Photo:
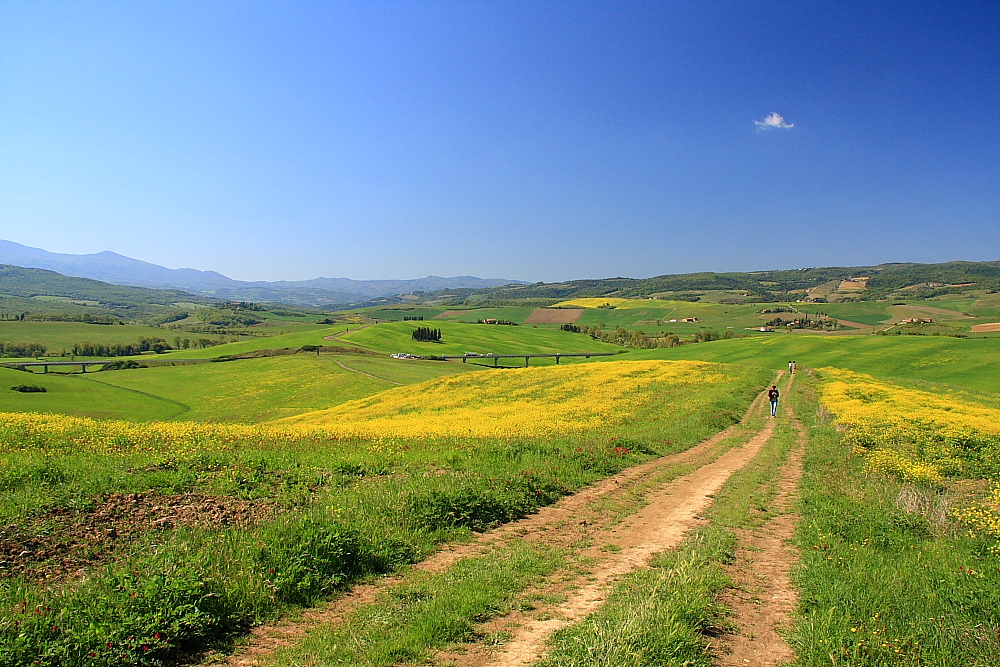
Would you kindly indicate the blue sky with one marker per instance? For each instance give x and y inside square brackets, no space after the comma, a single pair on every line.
[534,140]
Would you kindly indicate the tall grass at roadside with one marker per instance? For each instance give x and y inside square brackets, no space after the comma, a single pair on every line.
[883,582]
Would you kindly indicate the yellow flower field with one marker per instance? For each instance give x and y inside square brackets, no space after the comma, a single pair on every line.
[597,302]
[28,430]
[520,402]
[929,434]
[552,401]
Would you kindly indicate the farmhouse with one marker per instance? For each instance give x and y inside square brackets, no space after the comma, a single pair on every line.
[690,319]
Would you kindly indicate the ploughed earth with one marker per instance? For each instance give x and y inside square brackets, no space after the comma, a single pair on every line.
[63,541]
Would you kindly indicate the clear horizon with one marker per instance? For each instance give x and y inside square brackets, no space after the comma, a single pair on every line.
[531,142]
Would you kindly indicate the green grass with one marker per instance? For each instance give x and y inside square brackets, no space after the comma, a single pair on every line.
[427,612]
[965,363]
[310,336]
[483,338]
[76,395]
[879,585]
[244,390]
[247,390]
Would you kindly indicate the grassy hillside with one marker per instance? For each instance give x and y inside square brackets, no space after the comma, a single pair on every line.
[886,280]
[483,338]
[308,336]
[42,291]
[249,390]
[77,395]
[968,363]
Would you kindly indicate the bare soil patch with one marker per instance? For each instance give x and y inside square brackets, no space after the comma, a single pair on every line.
[450,313]
[555,316]
[986,328]
[66,541]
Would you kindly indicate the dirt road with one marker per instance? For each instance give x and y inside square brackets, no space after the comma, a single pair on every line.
[641,511]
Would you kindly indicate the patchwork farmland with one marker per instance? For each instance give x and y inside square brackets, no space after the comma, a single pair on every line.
[290,493]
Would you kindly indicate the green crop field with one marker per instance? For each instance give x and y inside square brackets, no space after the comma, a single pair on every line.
[295,515]
[460,338]
[246,390]
[968,363]
[75,395]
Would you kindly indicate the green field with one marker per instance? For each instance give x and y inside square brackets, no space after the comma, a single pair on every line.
[968,363]
[480,338]
[59,336]
[76,395]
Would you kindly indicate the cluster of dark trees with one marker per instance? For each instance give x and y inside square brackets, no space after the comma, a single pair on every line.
[11,350]
[167,318]
[225,317]
[123,365]
[86,318]
[88,349]
[570,327]
[243,305]
[187,343]
[824,323]
[413,318]
[506,323]
[427,334]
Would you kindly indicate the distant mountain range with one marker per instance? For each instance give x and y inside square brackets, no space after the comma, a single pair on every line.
[110,267]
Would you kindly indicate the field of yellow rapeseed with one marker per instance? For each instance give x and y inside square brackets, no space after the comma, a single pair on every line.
[23,431]
[523,402]
[552,401]
[917,435]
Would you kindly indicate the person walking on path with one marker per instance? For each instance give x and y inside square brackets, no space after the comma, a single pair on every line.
[772,396]
[791,366]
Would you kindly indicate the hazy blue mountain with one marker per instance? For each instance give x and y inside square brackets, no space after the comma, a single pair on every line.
[113,268]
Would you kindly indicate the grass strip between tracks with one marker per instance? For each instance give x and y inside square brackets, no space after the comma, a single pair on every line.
[428,611]
[662,614]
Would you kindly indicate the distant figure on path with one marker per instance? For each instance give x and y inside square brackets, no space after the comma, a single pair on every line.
[791,366]
[772,396]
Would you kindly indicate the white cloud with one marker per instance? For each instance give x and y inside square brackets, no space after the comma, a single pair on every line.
[775,121]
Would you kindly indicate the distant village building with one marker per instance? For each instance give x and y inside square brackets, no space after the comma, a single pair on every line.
[690,319]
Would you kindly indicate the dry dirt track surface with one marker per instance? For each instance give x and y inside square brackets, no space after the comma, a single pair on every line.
[671,509]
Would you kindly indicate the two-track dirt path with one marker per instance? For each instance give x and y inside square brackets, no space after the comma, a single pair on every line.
[763,598]
[670,513]
[592,516]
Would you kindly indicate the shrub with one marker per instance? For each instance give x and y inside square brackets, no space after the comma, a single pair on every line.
[122,364]
[29,388]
